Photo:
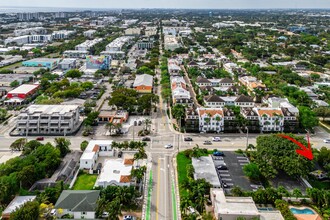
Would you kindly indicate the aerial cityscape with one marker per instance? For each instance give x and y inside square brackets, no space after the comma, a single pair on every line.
[165,110]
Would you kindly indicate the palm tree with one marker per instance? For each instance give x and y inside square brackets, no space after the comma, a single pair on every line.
[147,123]
[118,127]
[109,126]
[185,202]
[218,119]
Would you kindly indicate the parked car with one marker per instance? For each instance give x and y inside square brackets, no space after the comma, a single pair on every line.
[217,158]
[40,138]
[327,141]
[216,139]
[146,139]
[218,153]
[105,215]
[167,146]
[120,154]
[188,139]
[224,185]
[191,210]
[207,142]
[222,167]
[128,217]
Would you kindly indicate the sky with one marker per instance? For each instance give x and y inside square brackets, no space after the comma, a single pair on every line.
[221,4]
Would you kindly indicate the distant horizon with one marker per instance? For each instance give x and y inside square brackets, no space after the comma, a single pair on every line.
[181,8]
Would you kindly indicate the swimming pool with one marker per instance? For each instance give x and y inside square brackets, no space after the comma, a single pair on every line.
[305,211]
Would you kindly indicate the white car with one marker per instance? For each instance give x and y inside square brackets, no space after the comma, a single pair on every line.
[216,139]
[326,140]
[167,146]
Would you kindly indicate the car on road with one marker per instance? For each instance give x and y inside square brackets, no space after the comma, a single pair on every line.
[216,139]
[207,142]
[40,138]
[120,154]
[218,153]
[146,139]
[222,167]
[188,139]
[327,141]
[167,146]
[105,215]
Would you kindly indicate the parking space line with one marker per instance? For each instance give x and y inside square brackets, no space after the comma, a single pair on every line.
[239,157]
[223,171]
[230,184]
[226,179]
[224,174]
[243,161]
[243,164]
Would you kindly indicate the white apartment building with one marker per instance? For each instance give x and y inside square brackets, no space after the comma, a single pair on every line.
[62,34]
[28,39]
[48,119]
[118,43]
[211,119]
[89,33]
[171,42]
[179,89]
[30,31]
[75,54]
[270,119]
[215,101]
[88,44]
[94,149]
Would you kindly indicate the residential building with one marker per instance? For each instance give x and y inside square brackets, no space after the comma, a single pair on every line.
[94,149]
[20,94]
[133,31]
[62,34]
[28,39]
[171,42]
[244,101]
[252,117]
[81,204]
[67,64]
[30,31]
[118,43]
[203,82]
[230,122]
[143,83]
[75,53]
[145,44]
[115,172]
[252,83]
[270,119]
[150,31]
[88,45]
[231,208]
[89,33]
[211,119]
[180,93]
[15,204]
[220,101]
[48,119]
[28,16]
[191,120]
[49,63]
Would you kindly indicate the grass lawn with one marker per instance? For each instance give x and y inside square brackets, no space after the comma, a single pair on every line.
[85,182]
[182,162]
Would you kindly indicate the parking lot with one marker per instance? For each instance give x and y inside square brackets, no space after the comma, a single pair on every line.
[233,175]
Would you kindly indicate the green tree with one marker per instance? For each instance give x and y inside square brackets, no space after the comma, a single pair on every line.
[18,145]
[28,211]
[252,171]
[274,154]
[296,193]
[307,117]
[14,84]
[31,146]
[63,145]
[83,145]
[323,112]
[74,73]
[3,114]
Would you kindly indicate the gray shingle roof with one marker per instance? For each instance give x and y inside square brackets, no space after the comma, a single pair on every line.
[244,98]
[226,80]
[202,80]
[213,98]
[78,200]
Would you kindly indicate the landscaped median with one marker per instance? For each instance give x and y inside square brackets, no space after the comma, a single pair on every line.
[85,181]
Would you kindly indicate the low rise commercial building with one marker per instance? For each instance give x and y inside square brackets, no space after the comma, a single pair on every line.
[118,43]
[75,53]
[89,33]
[49,63]
[67,64]
[49,119]
[28,39]
[7,79]
[20,94]
[62,34]
[30,31]
[133,31]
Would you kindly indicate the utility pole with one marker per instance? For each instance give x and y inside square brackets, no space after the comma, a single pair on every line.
[247,136]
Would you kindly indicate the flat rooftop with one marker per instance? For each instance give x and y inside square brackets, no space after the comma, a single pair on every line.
[50,109]
[24,89]
[205,169]
[115,171]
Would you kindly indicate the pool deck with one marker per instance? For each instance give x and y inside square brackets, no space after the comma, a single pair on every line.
[306,216]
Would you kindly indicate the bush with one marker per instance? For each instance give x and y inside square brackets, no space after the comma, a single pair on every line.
[283,207]
[252,171]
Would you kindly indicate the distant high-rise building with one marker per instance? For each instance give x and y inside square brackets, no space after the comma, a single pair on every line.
[28,16]
[210,14]
[60,15]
